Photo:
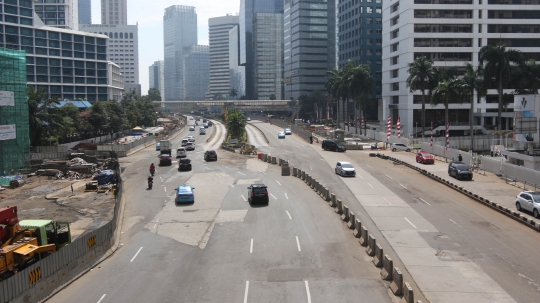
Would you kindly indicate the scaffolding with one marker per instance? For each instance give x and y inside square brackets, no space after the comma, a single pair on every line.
[14,153]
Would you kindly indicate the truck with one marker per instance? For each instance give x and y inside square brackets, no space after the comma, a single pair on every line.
[26,242]
[165,147]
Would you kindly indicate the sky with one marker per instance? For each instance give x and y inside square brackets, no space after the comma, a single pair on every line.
[149,15]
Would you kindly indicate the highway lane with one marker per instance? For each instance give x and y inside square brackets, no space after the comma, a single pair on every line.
[292,250]
[255,137]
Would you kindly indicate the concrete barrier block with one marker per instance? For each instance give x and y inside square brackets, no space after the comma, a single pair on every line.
[339,207]
[408,294]
[397,283]
[274,161]
[345,215]
[357,228]
[303,175]
[387,269]
[269,158]
[294,171]
[352,220]
[280,161]
[363,236]
[307,179]
[372,243]
[285,170]
[315,184]
[378,257]
[263,158]
[332,201]
[326,194]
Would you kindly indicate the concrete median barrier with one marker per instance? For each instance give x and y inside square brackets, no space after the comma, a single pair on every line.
[264,157]
[378,257]
[397,282]
[345,215]
[274,160]
[339,207]
[285,169]
[294,171]
[280,161]
[408,294]
[357,228]
[387,269]
[327,194]
[363,236]
[332,201]
[372,243]
[303,175]
[352,220]
[269,158]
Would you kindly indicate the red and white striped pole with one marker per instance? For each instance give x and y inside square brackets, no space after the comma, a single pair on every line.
[363,125]
[389,132]
[399,127]
[447,136]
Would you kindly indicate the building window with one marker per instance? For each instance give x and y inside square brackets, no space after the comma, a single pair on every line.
[394,86]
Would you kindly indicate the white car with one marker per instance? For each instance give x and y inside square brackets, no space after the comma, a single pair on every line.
[184,141]
[529,201]
[400,147]
[248,118]
[190,146]
[202,131]
[190,138]
[181,152]
[288,131]
[281,135]
[345,169]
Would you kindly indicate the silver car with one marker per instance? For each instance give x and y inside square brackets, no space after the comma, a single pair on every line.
[345,169]
[529,201]
[287,131]
[400,147]
[281,135]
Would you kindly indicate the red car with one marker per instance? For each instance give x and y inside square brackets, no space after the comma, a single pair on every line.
[425,158]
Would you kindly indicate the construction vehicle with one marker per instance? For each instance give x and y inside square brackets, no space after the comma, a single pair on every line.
[26,242]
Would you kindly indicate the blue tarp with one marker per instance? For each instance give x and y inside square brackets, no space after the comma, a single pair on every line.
[105,177]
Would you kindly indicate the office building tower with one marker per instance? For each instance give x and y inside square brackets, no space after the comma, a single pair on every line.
[237,73]
[179,33]
[268,59]
[196,72]
[57,13]
[360,39]
[309,51]
[451,34]
[248,9]
[116,81]
[114,12]
[157,77]
[218,35]
[68,64]
[85,11]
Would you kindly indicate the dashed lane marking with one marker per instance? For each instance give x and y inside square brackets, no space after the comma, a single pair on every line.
[273,196]
[410,222]
[288,214]
[298,243]
[135,256]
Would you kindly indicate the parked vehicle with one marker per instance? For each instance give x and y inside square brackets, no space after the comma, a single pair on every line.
[425,158]
[184,164]
[281,135]
[185,194]
[529,201]
[345,169]
[333,145]
[258,193]
[400,147]
[459,171]
[181,152]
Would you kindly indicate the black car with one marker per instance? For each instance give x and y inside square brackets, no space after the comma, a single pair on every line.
[333,145]
[459,171]
[258,193]
[165,159]
[210,155]
[184,164]
[210,123]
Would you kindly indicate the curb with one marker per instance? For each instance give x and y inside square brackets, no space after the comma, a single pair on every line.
[265,138]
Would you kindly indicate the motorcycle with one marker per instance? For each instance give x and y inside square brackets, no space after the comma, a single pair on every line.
[152,172]
[150,183]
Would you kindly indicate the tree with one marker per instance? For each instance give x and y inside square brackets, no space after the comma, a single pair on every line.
[473,81]
[422,77]
[153,95]
[272,97]
[338,87]
[234,93]
[450,88]
[528,77]
[117,117]
[236,124]
[42,113]
[498,61]
[98,118]
[361,83]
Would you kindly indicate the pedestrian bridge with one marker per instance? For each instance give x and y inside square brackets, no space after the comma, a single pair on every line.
[244,105]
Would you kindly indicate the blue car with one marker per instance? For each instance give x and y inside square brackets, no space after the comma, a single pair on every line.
[185,194]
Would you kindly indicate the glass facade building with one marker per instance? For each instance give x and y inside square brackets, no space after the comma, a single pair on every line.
[67,64]
[197,73]
[57,13]
[179,32]
[157,77]
[85,11]
[268,59]
[237,73]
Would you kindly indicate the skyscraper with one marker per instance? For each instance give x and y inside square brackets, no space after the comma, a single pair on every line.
[61,14]
[268,59]
[247,10]
[196,72]
[114,12]
[179,32]
[237,73]
[85,11]
[218,35]
[157,78]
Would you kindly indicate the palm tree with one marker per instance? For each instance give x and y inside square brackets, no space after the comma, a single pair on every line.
[41,112]
[234,93]
[497,68]
[473,81]
[450,88]
[422,77]
[333,87]
[528,77]
[361,83]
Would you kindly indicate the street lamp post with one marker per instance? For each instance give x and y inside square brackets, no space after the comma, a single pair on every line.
[416,130]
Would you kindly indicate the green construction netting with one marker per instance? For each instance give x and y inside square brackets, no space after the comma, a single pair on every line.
[14,153]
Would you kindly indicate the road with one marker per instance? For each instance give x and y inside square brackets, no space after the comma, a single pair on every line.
[221,248]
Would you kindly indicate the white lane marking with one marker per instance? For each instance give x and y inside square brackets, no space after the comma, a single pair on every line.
[387,200]
[288,214]
[278,182]
[157,221]
[425,201]
[161,179]
[368,166]
[165,188]
[403,186]
[454,222]
[101,299]
[371,185]
[243,198]
[135,256]
[241,173]
[251,247]
[246,293]
[410,222]
[389,177]
[273,196]
[311,168]
[360,176]
[298,243]
[308,294]
[322,159]
[286,196]
[231,185]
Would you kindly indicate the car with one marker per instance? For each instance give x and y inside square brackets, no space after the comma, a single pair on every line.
[258,193]
[459,171]
[184,164]
[190,146]
[400,146]
[191,118]
[425,157]
[345,169]
[202,131]
[181,152]
[210,155]
[210,123]
[529,201]
[333,145]
[158,146]
[192,128]
[205,125]
[281,135]
[185,194]
[248,119]
[184,141]
[204,120]
[288,131]
[190,138]
[165,159]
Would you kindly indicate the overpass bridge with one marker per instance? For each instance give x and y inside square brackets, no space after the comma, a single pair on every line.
[242,105]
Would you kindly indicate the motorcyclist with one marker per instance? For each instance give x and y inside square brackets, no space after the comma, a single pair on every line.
[152,169]
[150,181]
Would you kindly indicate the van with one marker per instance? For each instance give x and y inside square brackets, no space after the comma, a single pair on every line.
[181,152]
[333,145]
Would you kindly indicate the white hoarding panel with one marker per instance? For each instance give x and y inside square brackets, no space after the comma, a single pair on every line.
[525,119]
[8,132]
[7,98]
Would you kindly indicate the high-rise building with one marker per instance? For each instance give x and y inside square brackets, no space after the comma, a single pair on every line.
[218,35]
[360,38]
[248,9]
[451,33]
[309,51]
[116,81]
[58,13]
[85,11]
[157,77]
[68,64]
[268,59]
[179,32]
[196,72]
[237,73]
[114,12]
